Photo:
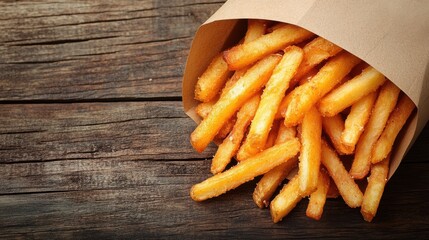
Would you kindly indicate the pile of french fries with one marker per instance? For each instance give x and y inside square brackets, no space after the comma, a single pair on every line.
[285,101]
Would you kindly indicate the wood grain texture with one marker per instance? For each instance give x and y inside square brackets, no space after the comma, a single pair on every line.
[70,50]
[94,143]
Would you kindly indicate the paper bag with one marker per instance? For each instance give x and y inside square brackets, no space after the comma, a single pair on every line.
[391,36]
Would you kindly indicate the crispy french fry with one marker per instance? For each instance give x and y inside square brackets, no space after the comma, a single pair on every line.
[255,29]
[309,158]
[245,171]
[286,200]
[375,188]
[270,100]
[231,143]
[254,79]
[315,52]
[272,179]
[396,121]
[212,80]
[351,91]
[357,119]
[318,197]
[333,127]
[203,110]
[348,189]
[308,94]
[245,54]
[384,105]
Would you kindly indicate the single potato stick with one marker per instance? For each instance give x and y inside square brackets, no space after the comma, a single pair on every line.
[309,158]
[272,135]
[318,197]
[229,147]
[245,171]
[272,179]
[255,29]
[384,105]
[212,80]
[254,79]
[356,120]
[375,188]
[315,52]
[286,200]
[245,54]
[334,127]
[308,94]
[396,121]
[351,91]
[203,109]
[348,189]
[270,100]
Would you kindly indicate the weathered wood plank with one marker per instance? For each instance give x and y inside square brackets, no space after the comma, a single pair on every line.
[125,131]
[52,50]
[158,206]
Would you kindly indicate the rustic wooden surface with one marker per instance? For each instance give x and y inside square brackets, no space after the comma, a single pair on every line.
[94,142]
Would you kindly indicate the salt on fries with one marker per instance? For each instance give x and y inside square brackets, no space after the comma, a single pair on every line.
[341,106]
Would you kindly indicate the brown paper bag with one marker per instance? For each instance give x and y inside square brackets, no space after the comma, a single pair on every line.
[390,35]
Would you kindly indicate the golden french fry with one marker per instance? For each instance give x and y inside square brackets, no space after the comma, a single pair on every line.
[315,52]
[333,127]
[384,105]
[245,171]
[255,29]
[318,197]
[308,94]
[396,121]
[270,100]
[212,80]
[351,91]
[254,79]
[374,190]
[203,110]
[309,158]
[231,143]
[272,179]
[356,120]
[286,200]
[245,54]
[348,189]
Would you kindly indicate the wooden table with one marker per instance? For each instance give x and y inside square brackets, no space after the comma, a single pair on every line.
[94,142]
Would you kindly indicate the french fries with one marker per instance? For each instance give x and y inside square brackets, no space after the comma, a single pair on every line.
[307,95]
[373,192]
[348,189]
[309,158]
[318,197]
[246,54]
[245,171]
[227,105]
[351,91]
[270,100]
[384,105]
[269,127]
[397,119]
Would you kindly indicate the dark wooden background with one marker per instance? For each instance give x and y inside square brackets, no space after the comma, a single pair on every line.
[94,142]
